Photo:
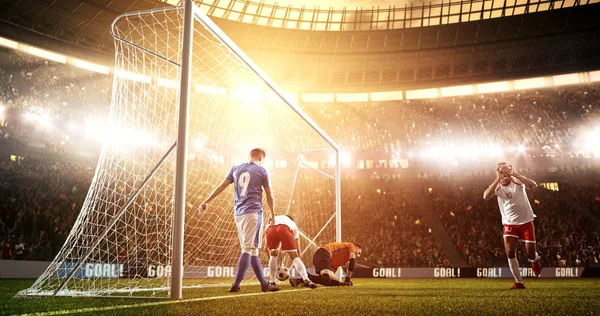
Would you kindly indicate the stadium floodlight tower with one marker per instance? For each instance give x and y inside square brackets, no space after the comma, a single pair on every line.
[181,83]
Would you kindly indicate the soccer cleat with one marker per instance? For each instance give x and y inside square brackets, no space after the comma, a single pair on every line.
[536,267]
[310,284]
[295,282]
[234,289]
[518,286]
[269,288]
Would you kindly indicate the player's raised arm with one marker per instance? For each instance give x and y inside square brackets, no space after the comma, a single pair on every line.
[530,184]
[215,193]
[491,190]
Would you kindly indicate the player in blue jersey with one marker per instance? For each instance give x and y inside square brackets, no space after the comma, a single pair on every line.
[249,179]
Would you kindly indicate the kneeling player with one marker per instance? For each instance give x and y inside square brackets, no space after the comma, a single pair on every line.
[285,232]
[329,258]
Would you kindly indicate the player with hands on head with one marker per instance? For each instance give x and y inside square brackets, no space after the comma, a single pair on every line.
[249,179]
[517,217]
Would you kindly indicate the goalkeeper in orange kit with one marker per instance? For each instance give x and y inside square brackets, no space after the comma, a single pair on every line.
[328,259]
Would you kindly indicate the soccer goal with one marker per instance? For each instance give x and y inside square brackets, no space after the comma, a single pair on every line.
[187,105]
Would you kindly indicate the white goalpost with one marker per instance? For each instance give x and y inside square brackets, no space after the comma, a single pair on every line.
[187,105]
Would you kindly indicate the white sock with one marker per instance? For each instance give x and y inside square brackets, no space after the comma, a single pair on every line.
[300,268]
[273,268]
[537,257]
[514,268]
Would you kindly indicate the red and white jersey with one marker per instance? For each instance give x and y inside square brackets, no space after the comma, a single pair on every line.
[514,205]
[284,220]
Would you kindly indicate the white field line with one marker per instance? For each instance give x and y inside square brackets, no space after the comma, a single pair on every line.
[167,302]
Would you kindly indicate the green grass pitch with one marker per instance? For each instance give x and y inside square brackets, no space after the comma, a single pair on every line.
[366,297]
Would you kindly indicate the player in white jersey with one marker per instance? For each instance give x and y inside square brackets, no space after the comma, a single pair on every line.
[517,217]
[284,232]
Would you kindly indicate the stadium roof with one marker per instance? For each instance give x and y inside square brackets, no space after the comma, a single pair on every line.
[368,15]
[353,50]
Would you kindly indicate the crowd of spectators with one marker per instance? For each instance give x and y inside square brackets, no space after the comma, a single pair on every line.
[564,236]
[391,229]
[472,224]
[586,194]
[27,82]
[40,200]
[583,100]
[41,197]
[62,95]
[31,86]
[529,118]
[358,127]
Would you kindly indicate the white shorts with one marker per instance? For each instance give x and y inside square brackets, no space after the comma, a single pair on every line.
[249,227]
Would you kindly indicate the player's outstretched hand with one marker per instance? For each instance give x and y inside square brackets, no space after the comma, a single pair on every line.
[203,207]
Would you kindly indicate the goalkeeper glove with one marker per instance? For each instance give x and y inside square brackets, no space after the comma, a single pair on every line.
[347,282]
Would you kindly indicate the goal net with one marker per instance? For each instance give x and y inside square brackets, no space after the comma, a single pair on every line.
[121,243]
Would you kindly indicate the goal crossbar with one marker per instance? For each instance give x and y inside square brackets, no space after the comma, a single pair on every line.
[116,36]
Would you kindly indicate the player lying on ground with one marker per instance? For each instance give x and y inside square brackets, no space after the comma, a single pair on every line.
[517,217]
[284,232]
[328,259]
[249,179]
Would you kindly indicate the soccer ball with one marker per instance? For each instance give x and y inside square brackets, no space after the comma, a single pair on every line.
[282,274]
